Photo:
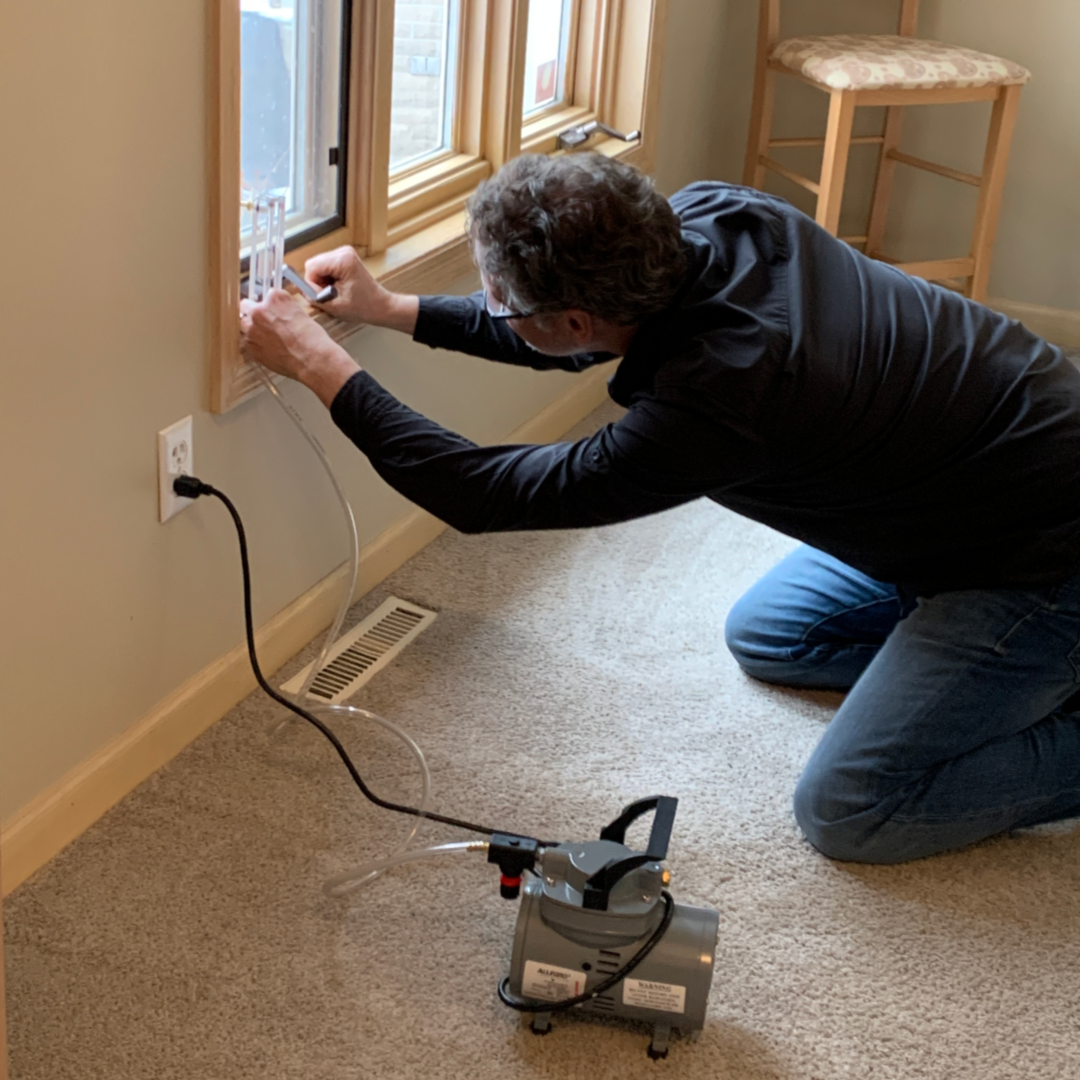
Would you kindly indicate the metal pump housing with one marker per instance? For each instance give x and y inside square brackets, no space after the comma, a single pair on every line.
[588,908]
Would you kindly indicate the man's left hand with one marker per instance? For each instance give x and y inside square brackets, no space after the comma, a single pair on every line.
[278,334]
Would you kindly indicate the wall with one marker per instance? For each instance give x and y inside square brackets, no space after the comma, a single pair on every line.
[1038,254]
[104,217]
[1037,259]
[419,78]
[107,612]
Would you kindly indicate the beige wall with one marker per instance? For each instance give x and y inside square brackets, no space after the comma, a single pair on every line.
[1038,253]
[1037,259]
[104,226]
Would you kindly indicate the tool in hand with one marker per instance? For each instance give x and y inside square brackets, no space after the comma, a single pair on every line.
[313,297]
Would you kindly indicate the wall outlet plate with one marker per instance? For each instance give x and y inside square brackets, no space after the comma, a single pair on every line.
[175,458]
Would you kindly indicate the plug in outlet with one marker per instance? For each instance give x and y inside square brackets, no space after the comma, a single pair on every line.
[175,458]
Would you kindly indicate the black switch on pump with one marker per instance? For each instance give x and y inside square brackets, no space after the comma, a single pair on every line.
[514,854]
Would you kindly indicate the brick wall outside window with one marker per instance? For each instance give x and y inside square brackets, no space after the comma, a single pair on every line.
[416,120]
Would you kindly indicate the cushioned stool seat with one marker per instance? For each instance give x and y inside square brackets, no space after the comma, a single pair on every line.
[877,62]
[890,72]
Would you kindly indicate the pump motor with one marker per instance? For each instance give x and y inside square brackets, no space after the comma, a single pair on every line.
[598,932]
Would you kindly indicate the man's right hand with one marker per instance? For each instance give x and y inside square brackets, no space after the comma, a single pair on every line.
[360,297]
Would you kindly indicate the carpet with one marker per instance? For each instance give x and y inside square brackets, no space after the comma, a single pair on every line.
[186,934]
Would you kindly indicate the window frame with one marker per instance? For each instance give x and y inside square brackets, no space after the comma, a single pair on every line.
[409,229]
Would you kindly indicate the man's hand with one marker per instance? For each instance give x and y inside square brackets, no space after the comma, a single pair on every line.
[279,335]
[359,296]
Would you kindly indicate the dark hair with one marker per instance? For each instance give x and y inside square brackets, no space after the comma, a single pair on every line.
[577,231]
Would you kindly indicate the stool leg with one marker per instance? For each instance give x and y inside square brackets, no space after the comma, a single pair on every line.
[834,163]
[760,126]
[995,166]
[879,208]
[761,112]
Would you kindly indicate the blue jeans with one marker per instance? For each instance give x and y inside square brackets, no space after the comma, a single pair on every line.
[958,724]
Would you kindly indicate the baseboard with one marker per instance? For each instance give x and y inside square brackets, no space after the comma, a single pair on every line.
[46,825]
[1058,325]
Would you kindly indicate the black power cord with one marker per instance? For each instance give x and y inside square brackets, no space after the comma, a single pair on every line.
[602,987]
[189,487]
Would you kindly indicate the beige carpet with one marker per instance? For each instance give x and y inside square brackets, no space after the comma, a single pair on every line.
[186,935]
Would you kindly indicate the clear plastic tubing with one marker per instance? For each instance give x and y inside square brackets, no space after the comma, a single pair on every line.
[350,522]
[351,879]
[368,872]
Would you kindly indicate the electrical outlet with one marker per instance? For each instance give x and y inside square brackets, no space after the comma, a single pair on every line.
[175,458]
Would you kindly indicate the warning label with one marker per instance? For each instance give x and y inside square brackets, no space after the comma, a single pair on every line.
[663,997]
[549,983]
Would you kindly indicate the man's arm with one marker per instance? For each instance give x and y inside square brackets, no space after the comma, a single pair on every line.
[473,488]
[651,460]
[659,455]
[462,324]
[458,323]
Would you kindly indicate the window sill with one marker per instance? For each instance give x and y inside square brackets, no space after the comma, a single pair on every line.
[539,136]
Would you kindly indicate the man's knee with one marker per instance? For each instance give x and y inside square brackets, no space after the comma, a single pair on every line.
[844,828]
[748,642]
[776,654]
[754,642]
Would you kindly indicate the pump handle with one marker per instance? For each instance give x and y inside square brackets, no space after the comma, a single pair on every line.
[663,823]
[598,887]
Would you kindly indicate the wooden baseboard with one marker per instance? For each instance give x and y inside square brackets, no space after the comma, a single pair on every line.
[1058,325]
[47,824]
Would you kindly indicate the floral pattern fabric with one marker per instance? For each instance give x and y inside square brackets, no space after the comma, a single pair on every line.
[878,62]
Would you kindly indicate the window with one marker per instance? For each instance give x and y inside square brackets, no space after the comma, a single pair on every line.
[425,77]
[378,118]
[294,111]
[547,42]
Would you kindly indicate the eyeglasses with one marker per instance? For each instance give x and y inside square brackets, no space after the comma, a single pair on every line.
[498,310]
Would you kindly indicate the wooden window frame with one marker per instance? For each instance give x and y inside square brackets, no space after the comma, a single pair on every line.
[409,228]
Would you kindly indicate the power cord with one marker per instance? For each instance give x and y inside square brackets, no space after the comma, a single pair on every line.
[190,487]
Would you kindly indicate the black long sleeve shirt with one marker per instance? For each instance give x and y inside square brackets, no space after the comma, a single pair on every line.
[916,435]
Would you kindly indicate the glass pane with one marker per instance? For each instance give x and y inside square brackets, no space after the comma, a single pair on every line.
[425,55]
[290,107]
[545,53]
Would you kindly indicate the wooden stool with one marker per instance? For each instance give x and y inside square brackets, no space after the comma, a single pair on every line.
[894,71]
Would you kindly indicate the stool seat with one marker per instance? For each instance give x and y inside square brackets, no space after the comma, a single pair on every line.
[893,72]
[886,61]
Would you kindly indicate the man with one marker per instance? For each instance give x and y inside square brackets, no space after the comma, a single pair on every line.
[924,448]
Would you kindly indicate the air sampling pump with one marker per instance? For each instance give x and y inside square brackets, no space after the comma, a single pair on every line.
[597,930]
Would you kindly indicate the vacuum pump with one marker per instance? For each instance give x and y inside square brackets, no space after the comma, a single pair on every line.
[597,930]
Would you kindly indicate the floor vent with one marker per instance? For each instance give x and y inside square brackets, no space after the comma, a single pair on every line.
[364,650]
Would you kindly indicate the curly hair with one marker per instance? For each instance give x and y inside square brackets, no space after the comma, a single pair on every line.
[579,231]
